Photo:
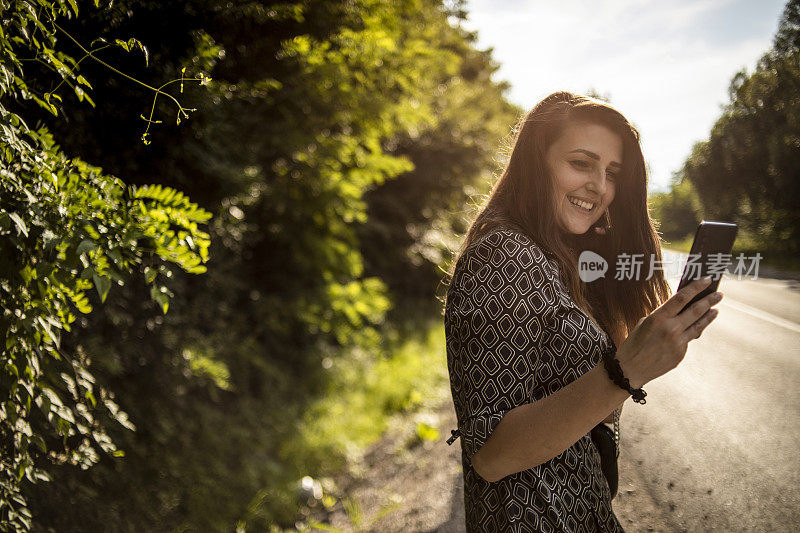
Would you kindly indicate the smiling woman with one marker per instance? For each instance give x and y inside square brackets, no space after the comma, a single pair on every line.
[525,335]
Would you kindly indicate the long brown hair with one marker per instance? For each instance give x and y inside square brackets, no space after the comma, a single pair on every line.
[522,199]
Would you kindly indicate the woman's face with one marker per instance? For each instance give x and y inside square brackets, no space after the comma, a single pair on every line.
[585,162]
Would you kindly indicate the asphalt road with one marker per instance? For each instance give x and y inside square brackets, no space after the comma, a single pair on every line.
[717,442]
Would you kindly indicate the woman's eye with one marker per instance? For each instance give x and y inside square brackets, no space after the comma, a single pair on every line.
[584,165]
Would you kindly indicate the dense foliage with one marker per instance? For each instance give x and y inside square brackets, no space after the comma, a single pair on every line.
[747,171]
[335,144]
[65,227]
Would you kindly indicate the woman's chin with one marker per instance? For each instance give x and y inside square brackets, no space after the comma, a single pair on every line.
[580,229]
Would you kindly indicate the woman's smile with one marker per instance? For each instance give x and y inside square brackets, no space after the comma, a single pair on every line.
[574,201]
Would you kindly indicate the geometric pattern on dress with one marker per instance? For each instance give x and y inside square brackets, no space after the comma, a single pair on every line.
[514,336]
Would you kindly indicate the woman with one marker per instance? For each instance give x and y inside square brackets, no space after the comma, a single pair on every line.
[525,334]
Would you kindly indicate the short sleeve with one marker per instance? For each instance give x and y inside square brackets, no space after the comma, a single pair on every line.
[500,310]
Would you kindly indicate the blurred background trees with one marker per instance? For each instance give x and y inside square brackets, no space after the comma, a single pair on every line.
[336,146]
[748,171]
[677,210]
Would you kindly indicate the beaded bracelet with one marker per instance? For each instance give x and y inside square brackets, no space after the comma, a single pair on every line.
[615,373]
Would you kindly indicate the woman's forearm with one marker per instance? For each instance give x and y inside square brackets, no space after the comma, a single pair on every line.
[619,335]
[533,433]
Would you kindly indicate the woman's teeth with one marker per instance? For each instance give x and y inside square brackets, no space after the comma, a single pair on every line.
[580,203]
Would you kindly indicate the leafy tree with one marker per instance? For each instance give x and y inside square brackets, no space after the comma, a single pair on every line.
[413,218]
[65,227]
[312,105]
[677,210]
[746,171]
[787,40]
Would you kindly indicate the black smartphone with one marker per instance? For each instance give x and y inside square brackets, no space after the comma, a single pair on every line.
[710,256]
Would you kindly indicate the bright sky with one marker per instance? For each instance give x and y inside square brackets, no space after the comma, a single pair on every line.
[665,65]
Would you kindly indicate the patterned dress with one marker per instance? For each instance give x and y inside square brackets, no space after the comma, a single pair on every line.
[515,336]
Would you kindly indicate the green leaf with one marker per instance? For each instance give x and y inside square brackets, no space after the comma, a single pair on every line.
[84,246]
[80,79]
[116,256]
[82,303]
[51,334]
[90,396]
[150,274]
[102,284]
[158,294]
[20,223]
[39,443]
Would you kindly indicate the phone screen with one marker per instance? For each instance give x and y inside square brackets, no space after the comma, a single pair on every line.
[710,256]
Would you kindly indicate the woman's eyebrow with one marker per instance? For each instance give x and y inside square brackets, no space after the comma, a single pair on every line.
[596,157]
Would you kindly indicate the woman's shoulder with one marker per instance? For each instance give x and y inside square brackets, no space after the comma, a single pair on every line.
[502,268]
[502,254]
[503,245]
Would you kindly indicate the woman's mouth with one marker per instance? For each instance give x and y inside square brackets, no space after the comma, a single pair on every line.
[584,207]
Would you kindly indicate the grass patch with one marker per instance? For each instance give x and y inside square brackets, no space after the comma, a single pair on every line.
[363,393]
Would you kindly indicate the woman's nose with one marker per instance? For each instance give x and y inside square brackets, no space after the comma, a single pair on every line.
[599,183]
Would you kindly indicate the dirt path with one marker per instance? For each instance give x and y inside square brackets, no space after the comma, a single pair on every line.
[407,485]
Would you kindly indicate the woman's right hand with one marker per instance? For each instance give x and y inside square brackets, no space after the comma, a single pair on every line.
[658,342]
